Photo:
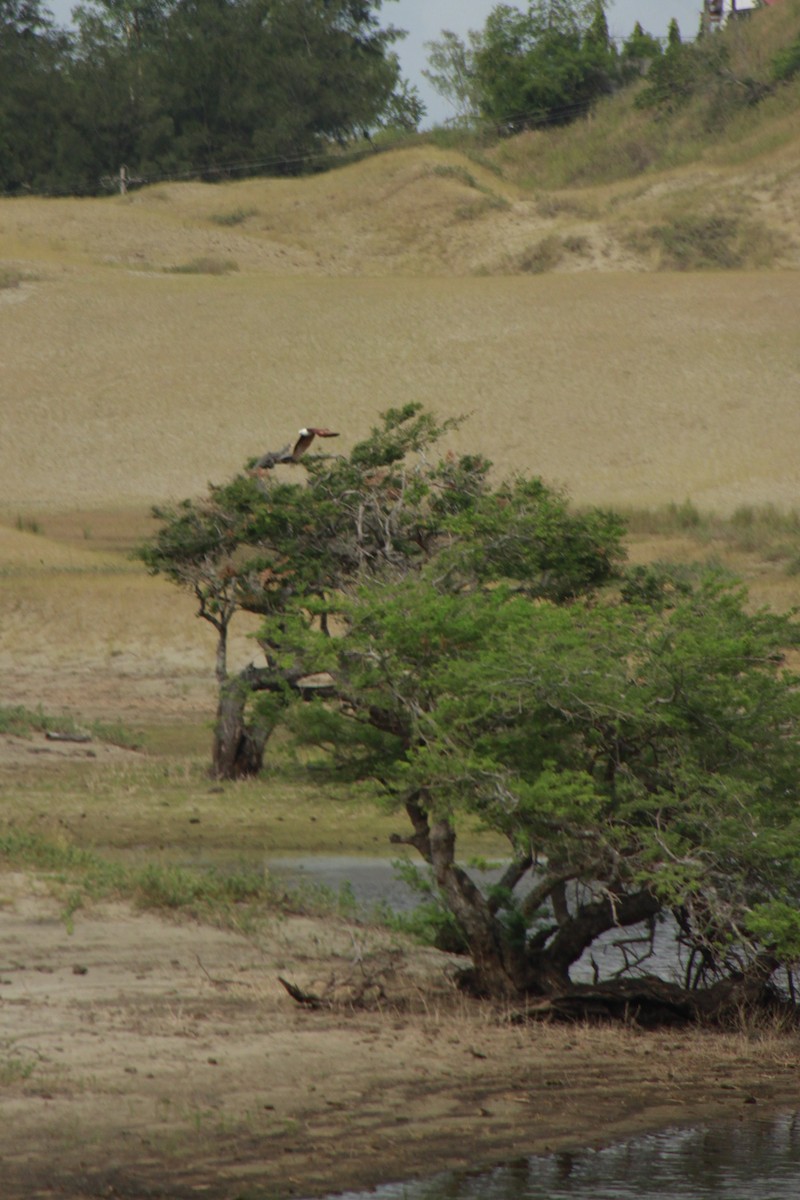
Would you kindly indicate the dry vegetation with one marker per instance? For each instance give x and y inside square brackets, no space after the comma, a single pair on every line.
[154,342]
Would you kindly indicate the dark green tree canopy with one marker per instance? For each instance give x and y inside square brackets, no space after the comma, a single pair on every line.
[206,86]
[546,65]
[633,736]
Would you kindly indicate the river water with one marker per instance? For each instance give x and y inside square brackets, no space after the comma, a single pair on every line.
[750,1159]
[373,882]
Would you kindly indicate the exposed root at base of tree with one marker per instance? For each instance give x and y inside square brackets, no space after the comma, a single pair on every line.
[653,1003]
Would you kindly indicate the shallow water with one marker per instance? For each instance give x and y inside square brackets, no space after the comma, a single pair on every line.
[374,881]
[750,1159]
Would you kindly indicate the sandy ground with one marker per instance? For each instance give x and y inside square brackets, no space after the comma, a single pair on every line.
[145,1058]
[125,383]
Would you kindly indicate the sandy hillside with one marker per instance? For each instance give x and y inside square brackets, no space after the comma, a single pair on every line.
[368,287]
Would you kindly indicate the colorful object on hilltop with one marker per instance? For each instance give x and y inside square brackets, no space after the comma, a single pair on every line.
[717,12]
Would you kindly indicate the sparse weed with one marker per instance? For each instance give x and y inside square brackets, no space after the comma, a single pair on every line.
[205,265]
[487,203]
[453,171]
[717,241]
[543,256]
[28,524]
[10,277]
[22,721]
[236,216]
[15,1069]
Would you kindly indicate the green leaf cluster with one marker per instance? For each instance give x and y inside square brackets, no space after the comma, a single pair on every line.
[634,738]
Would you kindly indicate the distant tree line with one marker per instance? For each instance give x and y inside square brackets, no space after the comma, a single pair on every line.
[200,86]
[549,64]
[543,66]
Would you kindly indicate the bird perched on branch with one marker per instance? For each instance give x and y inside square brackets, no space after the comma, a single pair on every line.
[291,453]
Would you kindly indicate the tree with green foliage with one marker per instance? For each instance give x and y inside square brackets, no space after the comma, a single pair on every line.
[543,66]
[451,72]
[632,736]
[263,541]
[203,86]
[638,53]
[265,544]
[33,101]
[640,755]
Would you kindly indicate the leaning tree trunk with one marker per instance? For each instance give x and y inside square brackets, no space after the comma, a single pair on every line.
[238,751]
[239,743]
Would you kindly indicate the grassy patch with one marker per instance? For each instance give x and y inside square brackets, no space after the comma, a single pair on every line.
[14,1068]
[28,524]
[81,876]
[10,277]
[455,171]
[541,257]
[716,241]
[238,896]
[16,719]
[489,202]
[235,216]
[205,265]
[765,531]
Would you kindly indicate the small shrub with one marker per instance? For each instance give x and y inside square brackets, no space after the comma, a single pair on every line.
[236,216]
[685,516]
[206,265]
[479,207]
[28,524]
[696,242]
[544,256]
[576,243]
[10,277]
[447,171]
[786,63]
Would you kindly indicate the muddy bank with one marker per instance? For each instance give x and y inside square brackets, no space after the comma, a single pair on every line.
[143,1057]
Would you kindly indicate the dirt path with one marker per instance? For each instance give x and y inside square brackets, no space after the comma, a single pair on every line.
[145,1058]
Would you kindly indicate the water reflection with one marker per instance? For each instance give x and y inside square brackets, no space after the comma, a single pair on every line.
[743,1160]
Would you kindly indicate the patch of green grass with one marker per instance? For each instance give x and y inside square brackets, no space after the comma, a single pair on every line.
[763,530]
[205,265]
[236,216]
[80,876]
[14,1069]
[22,721]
